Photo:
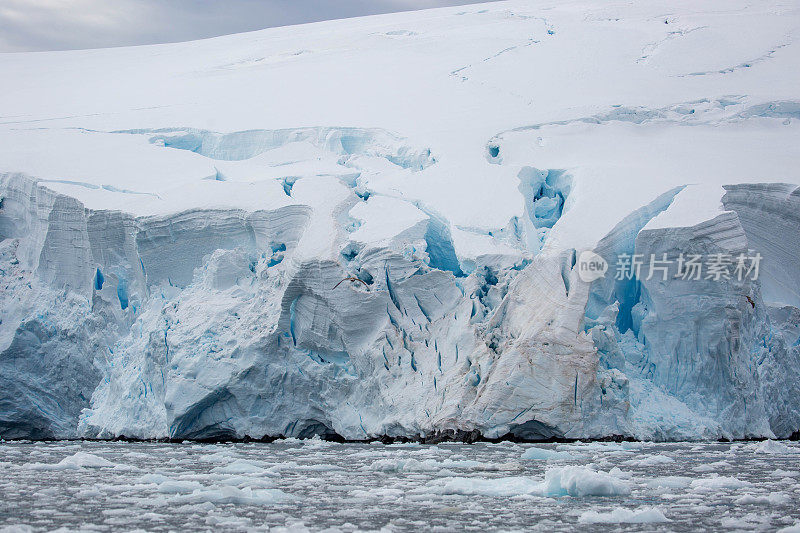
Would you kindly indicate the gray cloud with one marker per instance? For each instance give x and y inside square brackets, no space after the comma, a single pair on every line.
[27,25]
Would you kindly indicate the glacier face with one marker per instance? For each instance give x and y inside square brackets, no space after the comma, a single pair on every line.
[187,257]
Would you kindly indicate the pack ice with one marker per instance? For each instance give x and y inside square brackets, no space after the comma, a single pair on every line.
[176,222]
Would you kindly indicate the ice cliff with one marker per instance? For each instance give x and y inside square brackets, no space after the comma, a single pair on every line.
[377,227]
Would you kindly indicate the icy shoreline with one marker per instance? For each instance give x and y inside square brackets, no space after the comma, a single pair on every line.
[465,438]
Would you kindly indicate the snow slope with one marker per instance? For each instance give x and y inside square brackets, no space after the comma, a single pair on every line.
[175,221]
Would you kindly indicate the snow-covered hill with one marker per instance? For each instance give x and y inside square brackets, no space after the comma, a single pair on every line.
[176,222]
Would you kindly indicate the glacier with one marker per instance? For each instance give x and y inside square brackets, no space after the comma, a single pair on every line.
[371,228]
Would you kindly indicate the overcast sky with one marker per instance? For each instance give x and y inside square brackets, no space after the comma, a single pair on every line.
[28,25]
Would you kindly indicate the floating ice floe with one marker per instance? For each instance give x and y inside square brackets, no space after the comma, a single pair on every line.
[542,454]
[575,481]
[773,447]
[581,481]
[621,515]
[76,462]
[227,494]
[425,465]
[718,483]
